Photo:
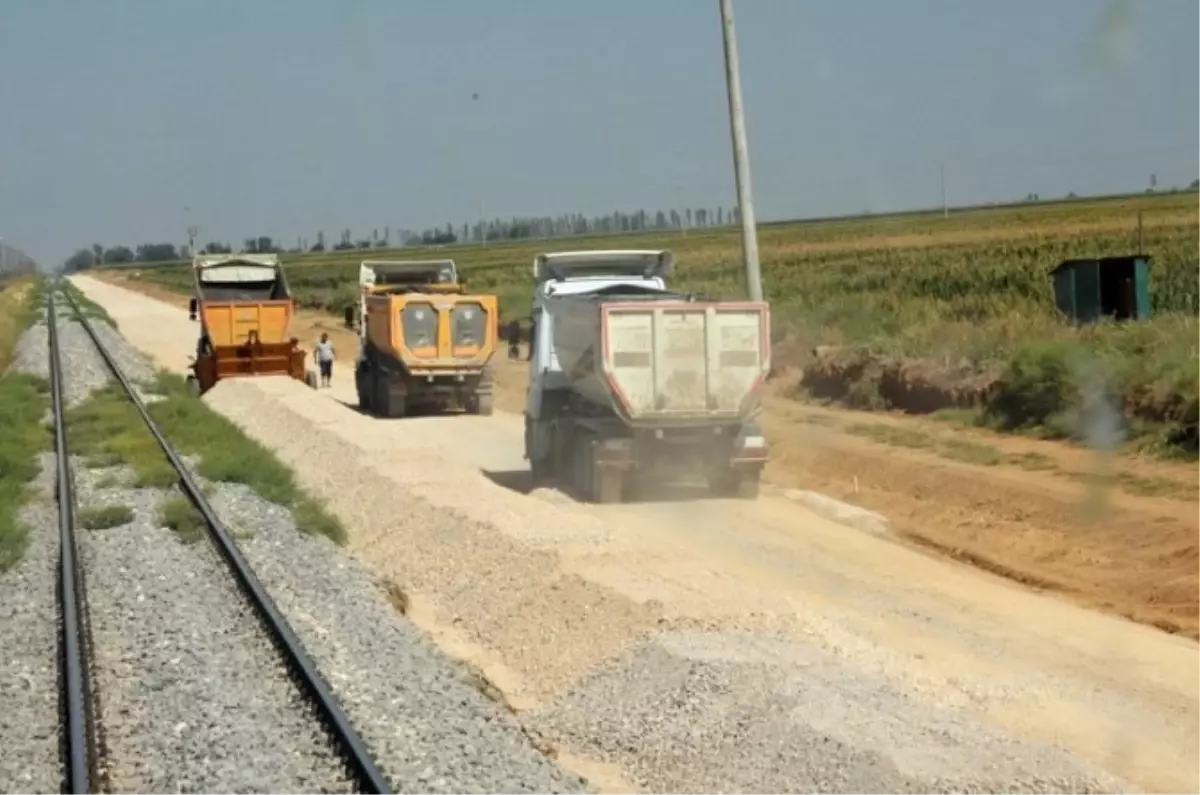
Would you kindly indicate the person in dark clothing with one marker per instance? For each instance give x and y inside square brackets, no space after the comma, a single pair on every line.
[513,333]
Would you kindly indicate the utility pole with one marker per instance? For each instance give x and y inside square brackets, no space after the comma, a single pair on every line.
[192,232]
[741,157]
[942,177]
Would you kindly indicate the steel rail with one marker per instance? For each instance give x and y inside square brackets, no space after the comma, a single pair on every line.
[359,760]
[76,693]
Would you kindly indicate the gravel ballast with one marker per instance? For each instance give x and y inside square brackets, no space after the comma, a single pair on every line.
[28,650]
[704,712]
[191,696]
[431,729]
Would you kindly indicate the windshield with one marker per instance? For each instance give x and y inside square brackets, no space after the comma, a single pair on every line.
[887,479]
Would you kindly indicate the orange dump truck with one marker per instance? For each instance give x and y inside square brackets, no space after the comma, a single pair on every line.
[423,340]
[245,314]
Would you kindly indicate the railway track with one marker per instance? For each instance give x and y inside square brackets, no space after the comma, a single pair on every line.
[81,746]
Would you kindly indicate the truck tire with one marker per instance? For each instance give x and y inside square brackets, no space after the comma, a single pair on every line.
[480,404]
[581,475]
[746,486]
[392,405]
[607,485]
[742,485]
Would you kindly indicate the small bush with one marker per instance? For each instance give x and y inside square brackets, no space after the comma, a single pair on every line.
[102,517]
[178,514]
[1035,390]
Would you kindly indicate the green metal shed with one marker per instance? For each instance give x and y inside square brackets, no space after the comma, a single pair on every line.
[1116,287]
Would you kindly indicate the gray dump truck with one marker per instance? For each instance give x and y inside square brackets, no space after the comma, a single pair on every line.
[631,380]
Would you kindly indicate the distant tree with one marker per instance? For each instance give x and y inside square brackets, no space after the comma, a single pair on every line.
[156,252]
[218,248]
[318,246]
[363,244]
[262,244]
[117,255]
[81,260]
[343,245]
[1195,184]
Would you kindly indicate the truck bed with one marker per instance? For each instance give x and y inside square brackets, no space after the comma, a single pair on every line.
[666,361]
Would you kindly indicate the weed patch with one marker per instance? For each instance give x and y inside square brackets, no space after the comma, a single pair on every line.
[24,400]
[1032,461]
[227,455]
[970,452]
[102,517]
[178,514]
[896,436]
[107,430]
[89,309]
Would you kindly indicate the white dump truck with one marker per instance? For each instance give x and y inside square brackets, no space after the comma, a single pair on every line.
[630,380]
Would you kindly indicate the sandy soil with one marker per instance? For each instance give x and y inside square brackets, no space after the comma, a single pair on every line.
[539,590]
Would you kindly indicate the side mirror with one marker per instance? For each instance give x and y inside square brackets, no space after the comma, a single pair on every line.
[192,309]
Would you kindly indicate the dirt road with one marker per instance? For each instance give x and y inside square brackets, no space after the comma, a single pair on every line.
[543,593]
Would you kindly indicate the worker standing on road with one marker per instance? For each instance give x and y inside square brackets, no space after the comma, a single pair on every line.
[324,355]
[513,332]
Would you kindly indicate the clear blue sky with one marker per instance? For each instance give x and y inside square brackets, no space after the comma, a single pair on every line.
[283,117]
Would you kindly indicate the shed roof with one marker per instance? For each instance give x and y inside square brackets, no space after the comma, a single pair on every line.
[1103,262]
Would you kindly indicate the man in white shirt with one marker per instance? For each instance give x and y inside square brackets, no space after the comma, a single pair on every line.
[324,355]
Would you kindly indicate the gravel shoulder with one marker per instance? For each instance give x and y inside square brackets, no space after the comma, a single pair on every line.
[29,649]
[556,601]
[29,726]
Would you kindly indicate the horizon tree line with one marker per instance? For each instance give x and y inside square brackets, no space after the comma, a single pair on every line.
[491,231]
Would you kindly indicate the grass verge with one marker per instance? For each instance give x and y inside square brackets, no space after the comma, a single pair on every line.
[107,430]
[24,400]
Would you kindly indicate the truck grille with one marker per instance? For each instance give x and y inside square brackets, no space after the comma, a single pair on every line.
[468,324]
[419,322]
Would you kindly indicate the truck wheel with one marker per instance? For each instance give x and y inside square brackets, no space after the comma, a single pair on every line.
[607,485]
[581,481]
[480,404]
[742,485]
[394,405]
[746,487]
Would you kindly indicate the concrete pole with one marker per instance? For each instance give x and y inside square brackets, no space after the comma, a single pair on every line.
[741,157]
[942,177]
